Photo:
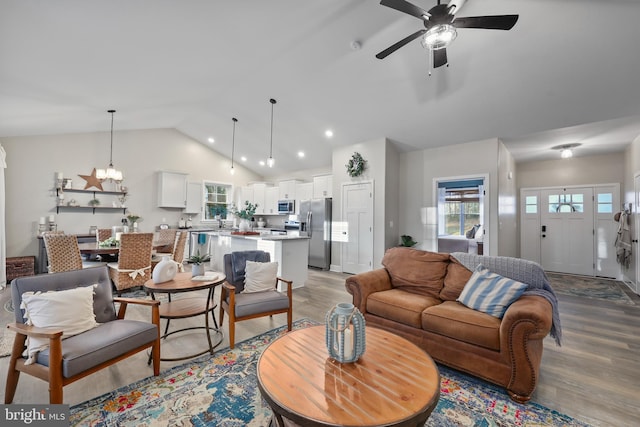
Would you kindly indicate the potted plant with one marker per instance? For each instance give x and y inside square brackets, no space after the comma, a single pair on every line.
[134,219]
[196,261]
[245,214]
[407,241]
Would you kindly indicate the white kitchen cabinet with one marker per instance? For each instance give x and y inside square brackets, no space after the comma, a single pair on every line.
[172,189]
[322,186]
[246,194]
[260,196]
[271,200]
[288,189]
[194,198]
[304,191]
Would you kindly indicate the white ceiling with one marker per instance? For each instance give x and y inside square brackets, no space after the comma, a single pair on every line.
[566,73]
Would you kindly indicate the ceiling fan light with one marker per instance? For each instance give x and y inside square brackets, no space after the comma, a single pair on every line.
[566,153]
[439,36]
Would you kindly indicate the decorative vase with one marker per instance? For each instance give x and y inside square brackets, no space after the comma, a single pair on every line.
[135,227]
[165,270]
[197,270]
[345,334]
[245,225]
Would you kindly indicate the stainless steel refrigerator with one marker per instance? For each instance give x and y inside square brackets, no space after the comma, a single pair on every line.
[316,215]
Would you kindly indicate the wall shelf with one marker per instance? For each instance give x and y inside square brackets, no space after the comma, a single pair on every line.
[94,194]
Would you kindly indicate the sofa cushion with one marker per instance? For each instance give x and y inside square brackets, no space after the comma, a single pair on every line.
[457,276]
[400,306]
[490,293]
[456,321]
[416,271]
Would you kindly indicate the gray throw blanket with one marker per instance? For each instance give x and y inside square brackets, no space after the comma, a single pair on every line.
[523,271]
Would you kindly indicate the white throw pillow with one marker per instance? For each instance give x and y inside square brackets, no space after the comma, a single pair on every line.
[70,310]
[260,276]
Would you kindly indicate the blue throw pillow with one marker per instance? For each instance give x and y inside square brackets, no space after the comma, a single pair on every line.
[490,293]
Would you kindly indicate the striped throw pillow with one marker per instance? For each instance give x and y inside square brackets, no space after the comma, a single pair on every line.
[490,293]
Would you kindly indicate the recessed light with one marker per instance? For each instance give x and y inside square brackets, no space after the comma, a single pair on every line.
[328,133]
[211,140]
[243,158]
[301,154]
[262,163]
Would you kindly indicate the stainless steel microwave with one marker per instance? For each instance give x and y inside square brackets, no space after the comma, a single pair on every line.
[286,206]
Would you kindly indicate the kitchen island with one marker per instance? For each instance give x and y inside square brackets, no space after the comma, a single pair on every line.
[290,252]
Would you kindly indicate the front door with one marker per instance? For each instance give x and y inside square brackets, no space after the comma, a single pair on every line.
[357,211]
[566,226]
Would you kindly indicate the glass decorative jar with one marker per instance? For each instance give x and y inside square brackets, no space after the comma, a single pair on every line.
[345,333]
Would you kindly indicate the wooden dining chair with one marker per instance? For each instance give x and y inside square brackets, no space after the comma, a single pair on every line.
[103,234]
[177,251]
[134,261]
[243,306]
[62,252]
[166,240]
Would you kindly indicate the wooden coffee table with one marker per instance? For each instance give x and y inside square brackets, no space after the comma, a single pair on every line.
[188,307]
[395,383]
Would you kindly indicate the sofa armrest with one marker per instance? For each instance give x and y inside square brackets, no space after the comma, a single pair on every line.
[534,310]
[522,330]
[363,284]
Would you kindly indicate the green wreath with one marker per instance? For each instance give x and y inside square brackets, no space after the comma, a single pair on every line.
[356,165]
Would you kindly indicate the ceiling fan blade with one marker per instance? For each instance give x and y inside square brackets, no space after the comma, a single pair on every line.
[388,51]
[497,22]
[406,7]
[439,57]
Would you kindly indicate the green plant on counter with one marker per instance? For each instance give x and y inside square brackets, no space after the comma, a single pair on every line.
[198,259]
[407,241]
[246,213]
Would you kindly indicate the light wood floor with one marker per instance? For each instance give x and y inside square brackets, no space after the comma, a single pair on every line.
[594,376]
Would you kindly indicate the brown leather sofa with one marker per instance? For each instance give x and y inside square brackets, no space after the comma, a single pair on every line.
[414,296]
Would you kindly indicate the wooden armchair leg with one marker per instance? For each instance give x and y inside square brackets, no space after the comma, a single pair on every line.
[232,333]
[13,375]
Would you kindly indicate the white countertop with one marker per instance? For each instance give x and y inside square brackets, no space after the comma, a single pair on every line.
[265,236]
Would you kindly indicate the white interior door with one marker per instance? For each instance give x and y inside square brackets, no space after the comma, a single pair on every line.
[530,235]
[357,211]
[566,226]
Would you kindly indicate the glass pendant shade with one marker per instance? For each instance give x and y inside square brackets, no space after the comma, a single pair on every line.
[110,173]
[270,161]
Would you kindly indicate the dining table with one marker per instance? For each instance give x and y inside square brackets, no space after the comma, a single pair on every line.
[94,248]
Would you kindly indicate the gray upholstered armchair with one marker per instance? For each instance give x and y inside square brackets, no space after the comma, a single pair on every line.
[66,360]
[243,306]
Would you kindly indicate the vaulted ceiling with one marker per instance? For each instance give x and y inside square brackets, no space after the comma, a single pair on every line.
[566,73]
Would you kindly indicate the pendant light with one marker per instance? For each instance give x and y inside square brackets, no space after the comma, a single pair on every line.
[233,144]
[270,161]
[111,173]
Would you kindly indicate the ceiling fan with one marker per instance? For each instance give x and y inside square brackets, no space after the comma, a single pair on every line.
[440,25]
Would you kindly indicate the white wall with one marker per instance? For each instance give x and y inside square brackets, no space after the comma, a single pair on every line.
[508,236]
[421,168]
[33,160]
[600,169]
[631,167]
[375,153]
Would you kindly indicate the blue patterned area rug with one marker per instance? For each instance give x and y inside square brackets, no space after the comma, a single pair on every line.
[596,288]
[221,390]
